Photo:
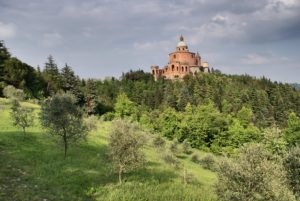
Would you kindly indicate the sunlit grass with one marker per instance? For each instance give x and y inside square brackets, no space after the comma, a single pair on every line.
[33,168]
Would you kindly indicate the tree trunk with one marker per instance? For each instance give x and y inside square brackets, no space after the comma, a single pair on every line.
[66,144]
[120,174]
[24,132]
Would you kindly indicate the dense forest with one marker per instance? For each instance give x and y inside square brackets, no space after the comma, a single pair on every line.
[212,111]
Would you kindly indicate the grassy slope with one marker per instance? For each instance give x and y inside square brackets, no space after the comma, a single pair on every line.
[32,168]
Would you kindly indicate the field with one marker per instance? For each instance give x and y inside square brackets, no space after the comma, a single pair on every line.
[33,168]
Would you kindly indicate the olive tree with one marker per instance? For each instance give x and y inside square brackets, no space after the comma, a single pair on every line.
[61,117]
[125,144]
[253,176]
[21,116]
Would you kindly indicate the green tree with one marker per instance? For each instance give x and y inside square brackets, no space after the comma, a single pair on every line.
[252,176]
[292,132]
[125,144]
[124,107]
[21,116]
[15,72]
[168,123]
[201,126]
[291,164]
[90,95]
[52,76]
[61,117]
[4,55]
[245,116]
[70,82]
[274,141]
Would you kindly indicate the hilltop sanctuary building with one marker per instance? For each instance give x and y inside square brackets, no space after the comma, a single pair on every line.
[181,62]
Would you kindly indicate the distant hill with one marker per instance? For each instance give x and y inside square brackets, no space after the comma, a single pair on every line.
[296,86]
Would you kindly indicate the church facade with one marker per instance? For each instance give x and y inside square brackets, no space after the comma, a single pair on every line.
[181,63]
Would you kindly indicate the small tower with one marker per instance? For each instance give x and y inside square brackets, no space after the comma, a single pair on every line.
[198,59]
[205,67]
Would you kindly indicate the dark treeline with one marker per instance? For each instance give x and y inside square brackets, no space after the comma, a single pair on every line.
[271,102]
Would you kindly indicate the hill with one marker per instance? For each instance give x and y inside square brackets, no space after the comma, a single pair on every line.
[296,86]
[32,168]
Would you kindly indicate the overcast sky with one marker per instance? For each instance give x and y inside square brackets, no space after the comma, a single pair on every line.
[102,38]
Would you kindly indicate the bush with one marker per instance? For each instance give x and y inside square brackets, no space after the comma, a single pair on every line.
[187,177]
[159,142]
[108,116]
[174,147]
[208,162]
[186,147]
[195,158]
[252,176]
[170,159]
[91,122]
[291,164]
[13,93]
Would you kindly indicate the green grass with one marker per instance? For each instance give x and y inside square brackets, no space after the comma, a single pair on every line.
[33,168]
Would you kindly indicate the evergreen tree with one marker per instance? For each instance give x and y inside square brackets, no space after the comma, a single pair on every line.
[52,76]
[70,82]
[4,55]
[90,95]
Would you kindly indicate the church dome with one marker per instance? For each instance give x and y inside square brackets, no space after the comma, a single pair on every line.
[181,43]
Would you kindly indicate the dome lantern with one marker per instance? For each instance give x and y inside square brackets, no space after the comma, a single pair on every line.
[181,42]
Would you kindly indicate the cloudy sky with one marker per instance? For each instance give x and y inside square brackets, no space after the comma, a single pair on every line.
[102,38]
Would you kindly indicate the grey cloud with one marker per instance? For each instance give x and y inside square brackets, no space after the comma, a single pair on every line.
[139,33]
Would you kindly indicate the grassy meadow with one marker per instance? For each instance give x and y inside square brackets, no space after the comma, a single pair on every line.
[33,168]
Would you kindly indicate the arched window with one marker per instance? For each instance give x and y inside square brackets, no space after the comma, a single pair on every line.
[153,72]
[182,69]
[173,67]
[186,68]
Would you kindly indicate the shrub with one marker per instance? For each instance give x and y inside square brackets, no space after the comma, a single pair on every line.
[13,93]
[187,177]
[174,147]
[195,158]
[108,116]
[91,122]
[208,162]
[186,147]
[170,159]
[291,164]
[252,176]
[159,142]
